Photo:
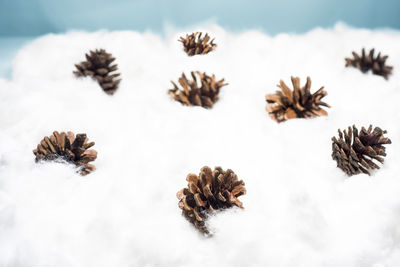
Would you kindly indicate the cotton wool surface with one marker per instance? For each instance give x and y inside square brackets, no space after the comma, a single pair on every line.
[300,209]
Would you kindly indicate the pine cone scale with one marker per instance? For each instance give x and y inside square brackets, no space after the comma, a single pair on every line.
[199,201]
[102,71]
[286,91]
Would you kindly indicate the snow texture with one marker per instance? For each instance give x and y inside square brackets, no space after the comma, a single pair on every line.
[300,209]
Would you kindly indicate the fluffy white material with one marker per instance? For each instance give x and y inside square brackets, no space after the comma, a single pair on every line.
[300,209]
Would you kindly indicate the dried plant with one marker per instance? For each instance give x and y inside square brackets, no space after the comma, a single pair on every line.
[354,152]
[369,62]
[193,44]
[208,192]
[286,104]
[192,93]
[68,147]
[98,66]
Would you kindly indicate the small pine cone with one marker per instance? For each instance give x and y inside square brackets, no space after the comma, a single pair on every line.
[98,66]
[366,63]
[193,95]
[286,104]
[355,151]
[67,146]
[208,192]
[197,46]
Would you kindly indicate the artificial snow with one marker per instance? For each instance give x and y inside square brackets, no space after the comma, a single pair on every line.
[300,209]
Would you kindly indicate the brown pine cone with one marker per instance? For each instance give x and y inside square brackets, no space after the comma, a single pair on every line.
[98,66]
[354,152]
[366,63]
[193,95]
[208,192]
[300,103]
[68,147]
[197,46]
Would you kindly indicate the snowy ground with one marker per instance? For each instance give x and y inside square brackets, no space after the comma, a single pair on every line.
[300,210]
[9,48]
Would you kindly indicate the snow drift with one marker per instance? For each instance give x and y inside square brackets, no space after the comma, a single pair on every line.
[300,210]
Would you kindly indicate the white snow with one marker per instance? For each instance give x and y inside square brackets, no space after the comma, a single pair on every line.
[300,210]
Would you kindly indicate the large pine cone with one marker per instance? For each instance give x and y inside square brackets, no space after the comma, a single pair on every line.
[98,66]
[208,192]
[366,63]
[355,151]
[300,103]
[193,95]
[197,46]
[68,147]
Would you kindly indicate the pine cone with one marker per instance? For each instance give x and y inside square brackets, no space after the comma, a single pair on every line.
[193,95]
[98,66]
[366,63]
[208,192]
[355,151]
[68,147]
[199,46]
[300,103]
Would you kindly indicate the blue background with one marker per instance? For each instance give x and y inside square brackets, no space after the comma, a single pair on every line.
[22,20]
